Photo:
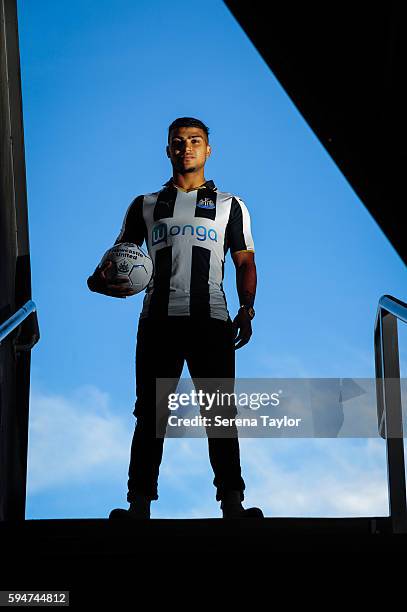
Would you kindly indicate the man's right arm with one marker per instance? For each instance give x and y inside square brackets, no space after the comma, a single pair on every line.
[134,227]
[133,230]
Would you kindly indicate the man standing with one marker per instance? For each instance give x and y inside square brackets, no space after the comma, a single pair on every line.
[188,225]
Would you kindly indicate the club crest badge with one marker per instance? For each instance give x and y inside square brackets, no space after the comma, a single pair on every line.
[123,267]
[206,203]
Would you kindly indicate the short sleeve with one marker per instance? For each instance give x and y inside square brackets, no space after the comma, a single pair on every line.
[238,230]
[134,227]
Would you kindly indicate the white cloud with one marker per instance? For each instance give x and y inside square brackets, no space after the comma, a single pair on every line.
[75,439]
[320,478]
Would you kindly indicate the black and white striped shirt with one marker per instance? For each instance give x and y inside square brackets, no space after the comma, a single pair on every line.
[187,234]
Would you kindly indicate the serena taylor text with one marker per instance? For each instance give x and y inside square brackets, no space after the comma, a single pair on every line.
[219,421]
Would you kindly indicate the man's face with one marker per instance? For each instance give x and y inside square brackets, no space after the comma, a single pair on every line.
[188,149]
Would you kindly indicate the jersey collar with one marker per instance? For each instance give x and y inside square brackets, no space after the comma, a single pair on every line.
[207,185]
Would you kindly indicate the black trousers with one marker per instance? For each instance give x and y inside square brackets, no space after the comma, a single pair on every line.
[163,345]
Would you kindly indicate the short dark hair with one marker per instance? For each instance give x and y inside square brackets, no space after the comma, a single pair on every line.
[188,122]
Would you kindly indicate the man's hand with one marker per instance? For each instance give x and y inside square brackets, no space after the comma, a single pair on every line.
[242,326]
[99,282]
[246,281]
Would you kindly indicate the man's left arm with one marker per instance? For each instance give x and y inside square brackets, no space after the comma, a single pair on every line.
[246,282]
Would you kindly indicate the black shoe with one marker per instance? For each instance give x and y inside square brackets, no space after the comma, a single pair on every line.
[243,513]
[122,514]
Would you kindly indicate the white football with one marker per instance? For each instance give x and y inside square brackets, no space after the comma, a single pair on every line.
[130,262]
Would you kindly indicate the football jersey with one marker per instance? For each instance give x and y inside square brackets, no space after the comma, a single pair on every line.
[187,234]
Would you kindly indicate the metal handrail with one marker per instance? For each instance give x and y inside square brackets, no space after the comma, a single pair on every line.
[16,319]
[389,408]
[394,306]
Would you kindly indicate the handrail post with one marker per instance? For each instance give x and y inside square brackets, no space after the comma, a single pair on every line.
[390,414]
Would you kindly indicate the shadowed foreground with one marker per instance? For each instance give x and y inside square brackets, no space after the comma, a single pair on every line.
[100,559]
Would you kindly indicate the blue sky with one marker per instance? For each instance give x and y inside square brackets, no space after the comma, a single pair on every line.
[101,82]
